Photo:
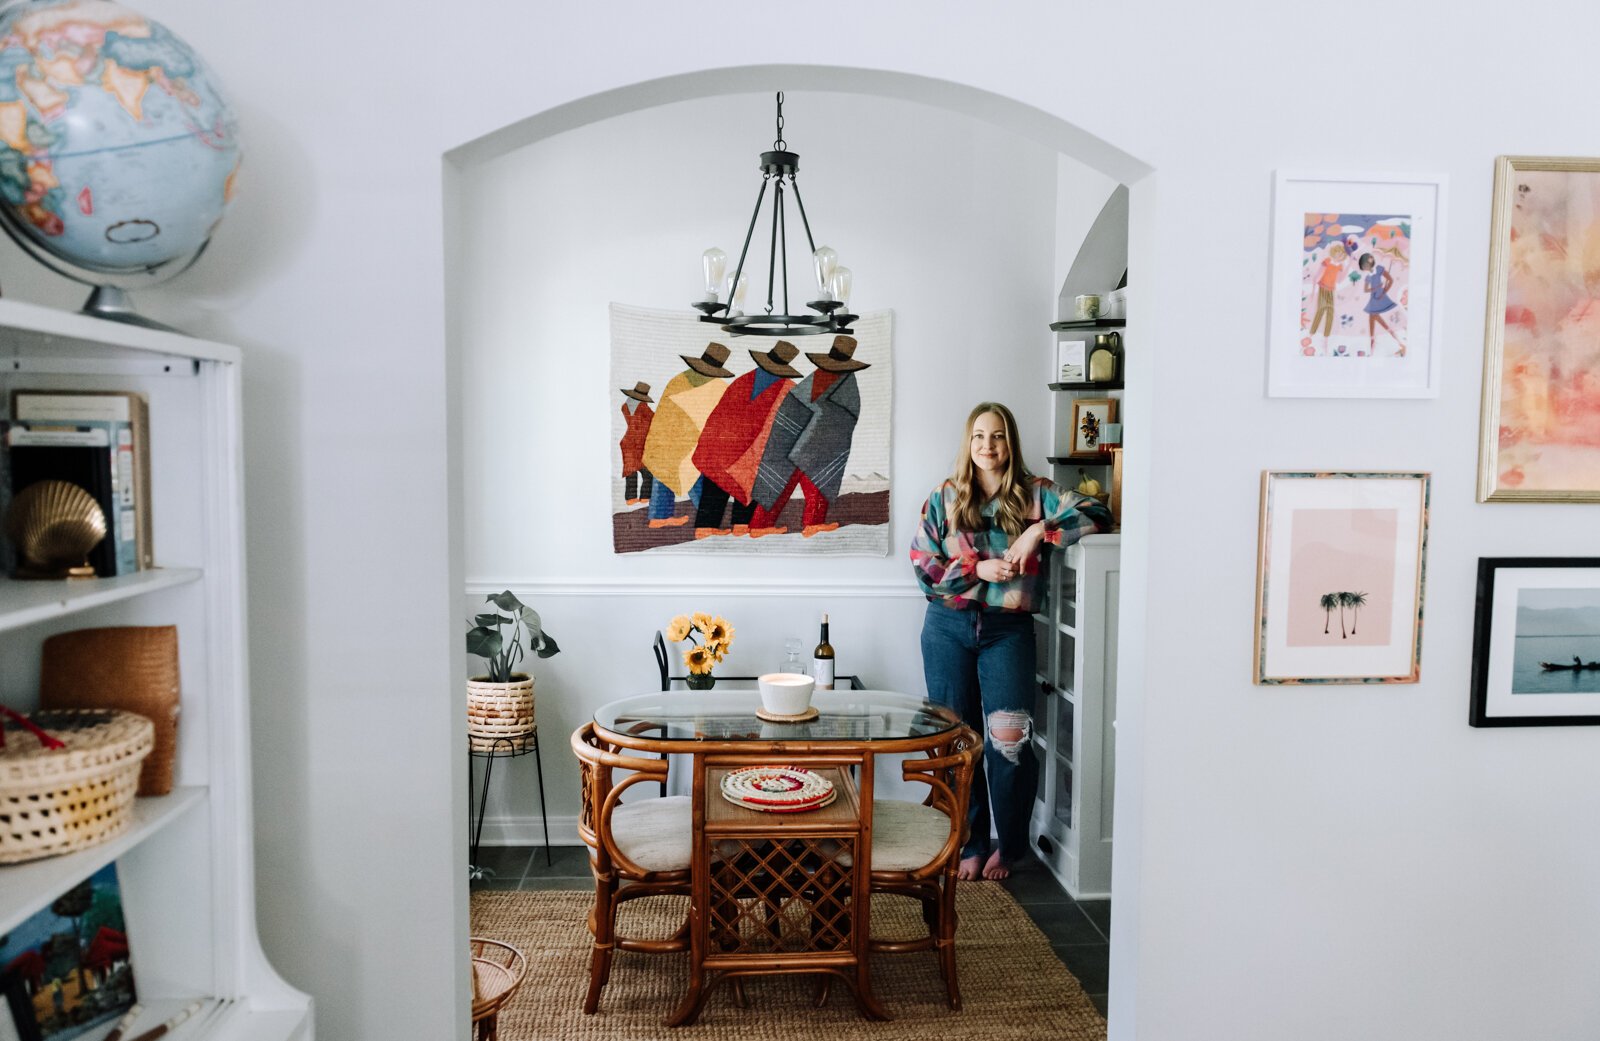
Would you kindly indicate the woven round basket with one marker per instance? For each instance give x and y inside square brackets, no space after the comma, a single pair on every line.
[499,712]
[59,800]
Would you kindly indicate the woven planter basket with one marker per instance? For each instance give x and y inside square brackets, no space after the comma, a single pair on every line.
[59,800]
[498,711]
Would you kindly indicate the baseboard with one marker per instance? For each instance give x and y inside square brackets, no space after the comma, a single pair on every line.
[529,831]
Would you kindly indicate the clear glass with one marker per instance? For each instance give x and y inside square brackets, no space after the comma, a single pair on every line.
[792,662]
[825,259]
[713,262]
[840,285]
[719,715]
[736,294]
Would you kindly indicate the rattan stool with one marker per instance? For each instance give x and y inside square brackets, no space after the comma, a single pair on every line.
[497,971]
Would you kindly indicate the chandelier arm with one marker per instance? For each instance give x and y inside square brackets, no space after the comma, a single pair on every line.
[772,248]
[733,287]
[783,245]
[794,184]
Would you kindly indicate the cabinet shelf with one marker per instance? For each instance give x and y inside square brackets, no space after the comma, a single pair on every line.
[1067,460]
[29,887]
[1104,385]
[1093,323]
[26,602]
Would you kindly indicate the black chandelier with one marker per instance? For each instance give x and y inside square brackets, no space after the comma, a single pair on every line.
[724,302]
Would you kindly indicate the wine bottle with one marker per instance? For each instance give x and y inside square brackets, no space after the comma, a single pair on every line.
[822,660]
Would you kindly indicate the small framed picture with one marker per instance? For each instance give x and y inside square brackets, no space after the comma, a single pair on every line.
[1536,643]
[1356,274]
[1090,417]
[1339,577]
[1537,437]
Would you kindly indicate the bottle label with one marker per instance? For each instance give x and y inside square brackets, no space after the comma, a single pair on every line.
[822,671]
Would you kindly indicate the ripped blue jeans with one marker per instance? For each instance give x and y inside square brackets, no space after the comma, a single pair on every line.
[981,664]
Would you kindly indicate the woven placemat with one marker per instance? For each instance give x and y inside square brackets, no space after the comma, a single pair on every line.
[1013,987]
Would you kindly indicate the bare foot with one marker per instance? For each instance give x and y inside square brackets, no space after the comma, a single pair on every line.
[968,869]
[995,869]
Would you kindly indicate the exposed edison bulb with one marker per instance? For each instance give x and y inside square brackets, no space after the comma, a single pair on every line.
[840,285]
[736,294]
[825,260]
[713,262]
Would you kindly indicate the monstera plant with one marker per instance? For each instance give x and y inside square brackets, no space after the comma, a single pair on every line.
[500,702]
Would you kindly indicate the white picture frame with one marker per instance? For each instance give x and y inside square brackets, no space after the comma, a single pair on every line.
[1375,332]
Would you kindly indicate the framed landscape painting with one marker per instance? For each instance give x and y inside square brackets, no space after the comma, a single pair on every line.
[1536,644]
[1339,576]
[1356,274]
[1540,431]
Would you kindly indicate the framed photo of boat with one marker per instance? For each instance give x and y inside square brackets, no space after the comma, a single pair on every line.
[1536,642]
[1339,575]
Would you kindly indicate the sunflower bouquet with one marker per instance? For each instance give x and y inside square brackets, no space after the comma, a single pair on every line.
[709,639]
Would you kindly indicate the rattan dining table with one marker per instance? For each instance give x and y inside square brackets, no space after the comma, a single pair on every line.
[778,892]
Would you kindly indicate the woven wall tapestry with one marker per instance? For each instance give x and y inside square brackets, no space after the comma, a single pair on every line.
[739,445]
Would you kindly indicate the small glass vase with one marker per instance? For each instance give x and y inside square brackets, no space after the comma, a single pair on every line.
[700,681]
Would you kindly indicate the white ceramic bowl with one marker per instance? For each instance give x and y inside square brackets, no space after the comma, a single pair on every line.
[785,693]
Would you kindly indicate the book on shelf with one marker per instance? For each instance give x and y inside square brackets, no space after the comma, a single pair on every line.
[125,418]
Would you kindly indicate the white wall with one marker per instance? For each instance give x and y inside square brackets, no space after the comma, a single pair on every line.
[961,248]
[1309,864]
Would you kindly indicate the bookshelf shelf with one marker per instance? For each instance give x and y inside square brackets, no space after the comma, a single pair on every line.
[26,888]
[24,603]
[185,866]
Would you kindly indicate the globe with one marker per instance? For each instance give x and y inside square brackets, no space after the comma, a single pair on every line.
[118,153]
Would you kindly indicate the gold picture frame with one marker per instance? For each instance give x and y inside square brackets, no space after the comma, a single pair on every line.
[1538,426]
[1089,417]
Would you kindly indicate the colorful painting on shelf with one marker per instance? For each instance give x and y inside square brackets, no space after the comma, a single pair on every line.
[72,958]
[1542,409]
[1355,285]
[751,445]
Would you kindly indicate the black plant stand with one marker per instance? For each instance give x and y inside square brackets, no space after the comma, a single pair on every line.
[501,748]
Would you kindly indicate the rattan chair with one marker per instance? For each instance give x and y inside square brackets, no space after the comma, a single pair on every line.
[497,971]
[916,849]
[638,849]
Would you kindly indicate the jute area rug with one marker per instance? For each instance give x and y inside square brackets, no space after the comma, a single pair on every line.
[1013,986]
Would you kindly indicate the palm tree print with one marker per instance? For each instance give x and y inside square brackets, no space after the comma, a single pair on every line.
[1357,602]
[1354,601]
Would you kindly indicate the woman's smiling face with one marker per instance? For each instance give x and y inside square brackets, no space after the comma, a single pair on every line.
[989,448]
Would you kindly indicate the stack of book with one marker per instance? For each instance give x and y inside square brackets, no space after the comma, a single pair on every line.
[100,441]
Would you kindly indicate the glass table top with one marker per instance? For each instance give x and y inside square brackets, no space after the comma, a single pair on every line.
[713,715]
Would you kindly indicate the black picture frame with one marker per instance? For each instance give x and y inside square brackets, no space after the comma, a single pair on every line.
[1481,712]
[16,1008]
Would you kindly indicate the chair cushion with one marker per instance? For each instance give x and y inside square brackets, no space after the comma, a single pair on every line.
[655,833]
[906,835]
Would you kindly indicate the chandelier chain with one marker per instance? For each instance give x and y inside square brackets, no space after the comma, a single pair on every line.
[780,144]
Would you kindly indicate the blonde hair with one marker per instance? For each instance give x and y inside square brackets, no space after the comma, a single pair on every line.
[1015,494]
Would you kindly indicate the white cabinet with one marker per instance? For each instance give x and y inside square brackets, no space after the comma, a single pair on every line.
[1074,713]
[186,865]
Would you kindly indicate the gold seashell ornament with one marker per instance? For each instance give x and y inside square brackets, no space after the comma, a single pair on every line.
[54,525]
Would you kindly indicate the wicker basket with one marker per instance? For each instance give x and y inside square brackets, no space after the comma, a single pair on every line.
[57,801]
[499,713]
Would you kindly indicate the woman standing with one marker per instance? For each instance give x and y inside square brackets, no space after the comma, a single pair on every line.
[977,556]
[1379,282]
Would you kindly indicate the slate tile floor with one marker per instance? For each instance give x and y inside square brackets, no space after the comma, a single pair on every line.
[1078,929]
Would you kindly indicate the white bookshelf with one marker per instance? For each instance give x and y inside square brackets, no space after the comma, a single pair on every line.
[1074,716]
[186,862]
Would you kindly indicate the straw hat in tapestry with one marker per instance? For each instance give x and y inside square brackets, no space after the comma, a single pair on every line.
[776,361]
[640,392]
[710,362]
[841,358]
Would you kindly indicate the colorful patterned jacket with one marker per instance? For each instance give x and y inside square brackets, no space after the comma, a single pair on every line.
[946,560]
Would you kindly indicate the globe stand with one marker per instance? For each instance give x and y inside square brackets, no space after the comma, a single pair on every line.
[113,304]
